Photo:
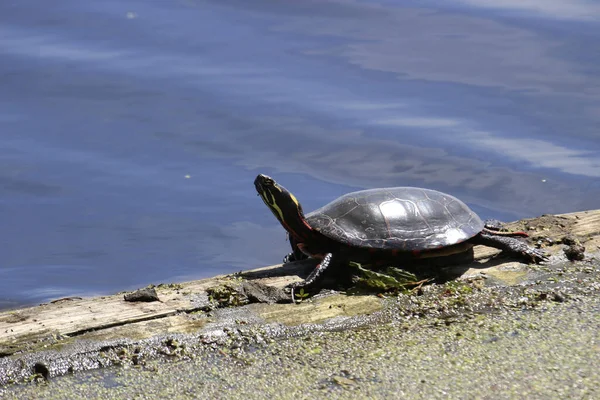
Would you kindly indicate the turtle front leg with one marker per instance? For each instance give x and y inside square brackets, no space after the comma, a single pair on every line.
[511,244]
[294,256]
[314,275]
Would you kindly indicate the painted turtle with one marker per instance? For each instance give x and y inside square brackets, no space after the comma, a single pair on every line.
[383,225]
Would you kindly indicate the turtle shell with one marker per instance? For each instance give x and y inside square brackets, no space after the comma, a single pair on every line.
[401,218]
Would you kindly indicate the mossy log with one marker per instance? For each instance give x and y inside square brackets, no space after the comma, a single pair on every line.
[113,317]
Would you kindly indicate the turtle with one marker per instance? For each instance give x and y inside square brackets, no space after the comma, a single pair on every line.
[384,224]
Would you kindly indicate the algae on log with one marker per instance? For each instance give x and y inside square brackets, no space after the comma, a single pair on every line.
[22,329]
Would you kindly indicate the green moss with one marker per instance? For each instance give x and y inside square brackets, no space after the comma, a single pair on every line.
[386,279]
[226,295]
[457,287]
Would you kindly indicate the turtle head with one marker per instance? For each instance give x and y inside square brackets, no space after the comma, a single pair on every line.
[283,205]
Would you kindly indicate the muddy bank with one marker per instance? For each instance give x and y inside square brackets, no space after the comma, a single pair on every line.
[187,326]
[548,352]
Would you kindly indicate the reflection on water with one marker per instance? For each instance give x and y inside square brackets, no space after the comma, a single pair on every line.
[132,131]
[580,10]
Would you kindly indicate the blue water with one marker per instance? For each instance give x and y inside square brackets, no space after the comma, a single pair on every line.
[131,131]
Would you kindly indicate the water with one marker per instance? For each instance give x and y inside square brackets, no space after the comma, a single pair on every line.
[131,131]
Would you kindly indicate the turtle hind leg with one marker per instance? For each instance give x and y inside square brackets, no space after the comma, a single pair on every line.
[495,227]
[493,224]
[510,244]
[315,274]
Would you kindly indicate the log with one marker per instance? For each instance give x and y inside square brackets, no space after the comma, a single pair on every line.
[112,316]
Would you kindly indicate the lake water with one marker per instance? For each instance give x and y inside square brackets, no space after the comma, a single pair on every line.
[131,131]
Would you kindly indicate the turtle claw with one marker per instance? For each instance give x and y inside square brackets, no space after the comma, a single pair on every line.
[292,292]
[537,255]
